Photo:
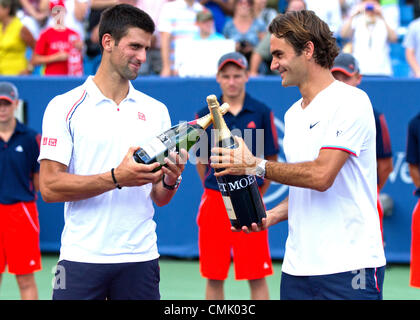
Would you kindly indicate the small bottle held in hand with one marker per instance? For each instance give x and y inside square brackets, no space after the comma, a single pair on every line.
[181,136]
[241,194]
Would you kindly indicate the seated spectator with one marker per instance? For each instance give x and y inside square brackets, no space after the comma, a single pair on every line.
[221,10]
[370,36]
[59,47]
[153,64]
[261,56]
[177,22]
[34,17]
[411,44]
[264,13]
[244,28]
[15,38]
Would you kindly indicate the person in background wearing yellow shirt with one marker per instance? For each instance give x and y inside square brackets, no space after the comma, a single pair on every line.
[15,38]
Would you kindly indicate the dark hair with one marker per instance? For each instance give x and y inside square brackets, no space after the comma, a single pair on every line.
[13,6]
[118,19]
[299,27]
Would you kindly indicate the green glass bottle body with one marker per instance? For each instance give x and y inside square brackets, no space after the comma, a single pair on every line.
[181,136]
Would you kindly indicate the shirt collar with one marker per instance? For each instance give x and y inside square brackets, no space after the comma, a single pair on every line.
[98,97]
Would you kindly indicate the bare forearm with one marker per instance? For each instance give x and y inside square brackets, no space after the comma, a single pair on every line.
[64,186]
[415,174]
[346,30]
[35,180]
[318,174]
[80,10]
[165,47]
[304,174]
[412,61]
[160,195]
[227,6]
[175,164]
[38,59]
[392,35]
[32,11]
[385,168]
[279,213]
[255,62]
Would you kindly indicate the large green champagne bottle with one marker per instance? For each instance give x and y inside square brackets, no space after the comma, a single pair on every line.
[240,194]
[181,136]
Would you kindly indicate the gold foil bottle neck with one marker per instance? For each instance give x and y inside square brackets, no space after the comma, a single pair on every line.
[212,101]
[219,123]
[206,120]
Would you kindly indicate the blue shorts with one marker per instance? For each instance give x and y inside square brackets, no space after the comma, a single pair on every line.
[363,284]
[112,281]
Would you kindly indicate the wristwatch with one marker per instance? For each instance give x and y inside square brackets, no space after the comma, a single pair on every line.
[260,169]
[173,187]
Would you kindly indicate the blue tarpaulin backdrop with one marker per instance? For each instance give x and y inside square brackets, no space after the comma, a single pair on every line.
[399,99]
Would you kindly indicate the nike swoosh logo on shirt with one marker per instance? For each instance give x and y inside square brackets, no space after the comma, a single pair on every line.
[313,125]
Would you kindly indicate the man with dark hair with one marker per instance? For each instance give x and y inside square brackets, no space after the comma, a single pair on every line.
[108,245]
[334,246]
[118,22]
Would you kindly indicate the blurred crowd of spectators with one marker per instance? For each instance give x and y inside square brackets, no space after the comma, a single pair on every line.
[60,37]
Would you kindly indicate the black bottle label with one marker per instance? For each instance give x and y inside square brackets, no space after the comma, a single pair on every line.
[242,199]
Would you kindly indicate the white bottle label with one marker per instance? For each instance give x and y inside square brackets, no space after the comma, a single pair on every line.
[154,147]
[229,207]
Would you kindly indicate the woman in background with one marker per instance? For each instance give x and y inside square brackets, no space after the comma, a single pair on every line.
[244,28]
[15,38]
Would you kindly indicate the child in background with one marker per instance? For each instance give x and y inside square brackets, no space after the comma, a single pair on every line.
[58,47]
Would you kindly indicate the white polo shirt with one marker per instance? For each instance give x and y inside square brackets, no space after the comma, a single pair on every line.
[90,134]
[337,230]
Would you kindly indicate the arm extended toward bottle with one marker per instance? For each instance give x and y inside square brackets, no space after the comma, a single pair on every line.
[278,214]
[318,174]
[57,185]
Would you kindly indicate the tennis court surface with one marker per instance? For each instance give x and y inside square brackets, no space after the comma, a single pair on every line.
[181,280]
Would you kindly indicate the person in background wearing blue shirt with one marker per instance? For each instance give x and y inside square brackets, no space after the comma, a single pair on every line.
[19,172]
[246,117]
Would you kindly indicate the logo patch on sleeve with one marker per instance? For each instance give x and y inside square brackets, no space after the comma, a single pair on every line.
[52,142]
